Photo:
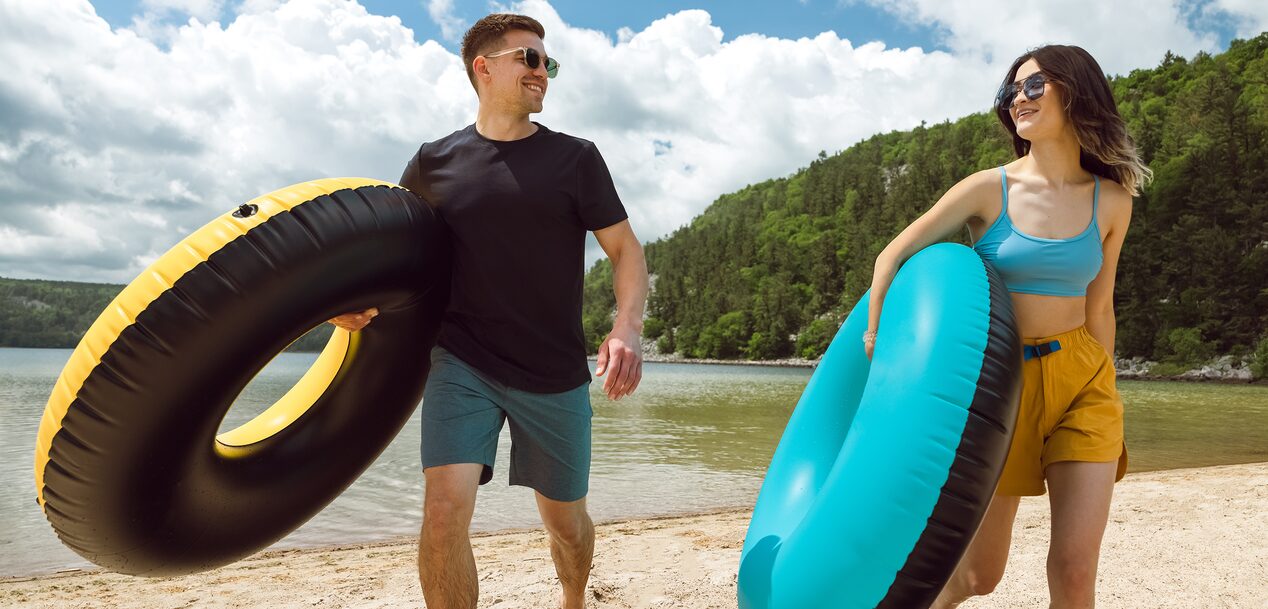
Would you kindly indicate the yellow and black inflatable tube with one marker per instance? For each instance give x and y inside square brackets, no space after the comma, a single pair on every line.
[129,468]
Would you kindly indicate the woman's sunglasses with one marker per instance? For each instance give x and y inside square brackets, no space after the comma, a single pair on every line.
[1032,86]
[532,59]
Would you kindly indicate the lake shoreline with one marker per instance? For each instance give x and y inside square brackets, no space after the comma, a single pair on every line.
[1177,535]
[1133,369]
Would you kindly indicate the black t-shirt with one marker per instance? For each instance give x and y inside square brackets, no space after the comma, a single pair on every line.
[518,212]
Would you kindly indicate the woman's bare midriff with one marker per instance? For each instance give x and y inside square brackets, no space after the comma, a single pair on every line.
[1039,316]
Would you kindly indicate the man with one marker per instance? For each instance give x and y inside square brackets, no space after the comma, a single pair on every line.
[519,199]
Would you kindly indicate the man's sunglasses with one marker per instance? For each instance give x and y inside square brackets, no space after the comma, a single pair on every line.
[532,58]
[1032,86]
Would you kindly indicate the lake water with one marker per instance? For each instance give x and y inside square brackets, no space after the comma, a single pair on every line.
[694,437]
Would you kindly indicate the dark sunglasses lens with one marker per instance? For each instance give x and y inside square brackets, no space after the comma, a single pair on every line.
[532,58]
[1033,86]
[1006,96]
[552,67]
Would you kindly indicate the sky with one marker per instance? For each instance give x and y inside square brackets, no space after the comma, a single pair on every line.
[126,125]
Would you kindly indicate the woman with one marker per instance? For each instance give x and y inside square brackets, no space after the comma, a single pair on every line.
[1052,222]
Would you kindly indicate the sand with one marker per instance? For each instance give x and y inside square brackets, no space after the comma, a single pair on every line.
[1195,538]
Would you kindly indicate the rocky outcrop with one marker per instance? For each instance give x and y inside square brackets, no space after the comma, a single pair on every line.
[1224,369]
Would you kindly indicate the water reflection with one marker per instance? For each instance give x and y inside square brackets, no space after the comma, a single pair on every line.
[1172,425]
[724,420]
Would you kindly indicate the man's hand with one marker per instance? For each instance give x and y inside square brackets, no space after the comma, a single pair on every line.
[355,321]
[621,354]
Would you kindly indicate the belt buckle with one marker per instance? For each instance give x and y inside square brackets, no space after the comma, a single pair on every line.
[1033,351]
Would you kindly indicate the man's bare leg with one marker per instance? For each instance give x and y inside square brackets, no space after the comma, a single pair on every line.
[571,546]
[446,565]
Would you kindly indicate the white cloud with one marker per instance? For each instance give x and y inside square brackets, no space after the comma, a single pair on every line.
[1251,16]
[159,19]
[116,144]
[108,125]
[1122,35]
[441,12]
[248,7]
[203,10]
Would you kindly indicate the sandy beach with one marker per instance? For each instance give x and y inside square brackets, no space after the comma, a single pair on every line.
[1195,538]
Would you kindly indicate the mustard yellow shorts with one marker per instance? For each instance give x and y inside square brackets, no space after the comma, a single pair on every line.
[1069,411]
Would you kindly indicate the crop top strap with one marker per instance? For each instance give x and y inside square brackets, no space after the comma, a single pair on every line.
[1003,187]
[1096,195]
[1096,199]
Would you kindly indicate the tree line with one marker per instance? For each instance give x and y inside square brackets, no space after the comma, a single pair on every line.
[35,313]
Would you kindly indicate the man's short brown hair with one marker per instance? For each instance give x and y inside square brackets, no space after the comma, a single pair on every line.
[487,33]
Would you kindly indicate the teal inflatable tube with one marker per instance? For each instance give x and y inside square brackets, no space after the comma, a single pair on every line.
[886,467]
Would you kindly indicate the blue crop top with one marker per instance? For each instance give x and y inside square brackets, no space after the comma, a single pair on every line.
[1034,265]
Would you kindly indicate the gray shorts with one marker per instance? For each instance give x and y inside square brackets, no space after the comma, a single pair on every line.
[463,410]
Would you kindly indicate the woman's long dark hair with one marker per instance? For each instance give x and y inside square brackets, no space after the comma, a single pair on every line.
[1105,148]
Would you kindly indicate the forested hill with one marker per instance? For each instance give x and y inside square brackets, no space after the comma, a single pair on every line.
[56,314]
[36,313]
[771,270]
